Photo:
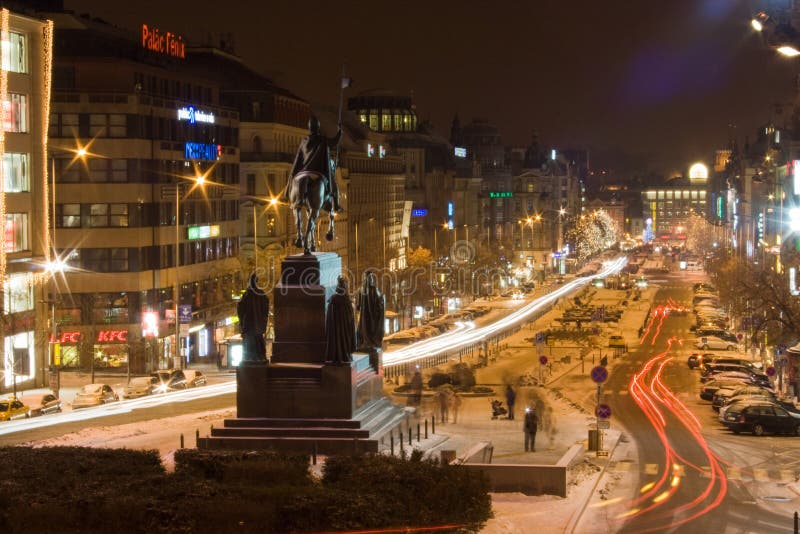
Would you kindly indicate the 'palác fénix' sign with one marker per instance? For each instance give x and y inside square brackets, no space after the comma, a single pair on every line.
[169,44]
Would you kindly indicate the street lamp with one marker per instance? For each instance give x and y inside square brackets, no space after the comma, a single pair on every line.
[198,180]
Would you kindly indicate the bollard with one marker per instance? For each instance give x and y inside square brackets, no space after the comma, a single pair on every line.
[433,424]
[181,441]
[796,523]
[418,433]
[391,443]
[409,435]
[400,435]
[426,429]
[314,454]
[197,436]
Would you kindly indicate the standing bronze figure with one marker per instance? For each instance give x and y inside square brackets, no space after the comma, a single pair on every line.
[253,312]
[372,309]
[340,326]
[312,185]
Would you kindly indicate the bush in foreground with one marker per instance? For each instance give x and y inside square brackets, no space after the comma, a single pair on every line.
[72,489]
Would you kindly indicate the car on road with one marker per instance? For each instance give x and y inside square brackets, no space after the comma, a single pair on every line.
[169,380]
[13,408]
[762,418]
[616,341]
[714,343]
[194,378]
[94,395]
[140,386]
[41,403]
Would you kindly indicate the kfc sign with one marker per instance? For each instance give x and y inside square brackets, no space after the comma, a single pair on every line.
[67,337]
[112,336]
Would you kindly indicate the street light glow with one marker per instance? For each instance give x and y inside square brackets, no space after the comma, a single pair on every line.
[200,179]
[789,51]
[756,24]
[81,152]
[273,201]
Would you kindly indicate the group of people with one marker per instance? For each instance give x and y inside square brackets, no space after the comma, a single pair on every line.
[449,402]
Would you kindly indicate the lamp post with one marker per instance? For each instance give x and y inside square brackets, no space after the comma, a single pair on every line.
[199,180]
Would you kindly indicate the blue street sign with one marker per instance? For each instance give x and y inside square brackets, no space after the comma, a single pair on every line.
[603,411]
[599,374]
[540,337]
[185,313]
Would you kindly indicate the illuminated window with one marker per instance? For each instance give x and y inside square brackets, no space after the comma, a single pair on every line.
[530,187]
[660,195]
[15,53]
[373,119]
[105,215]
[15,172]
[386,120]
[16,232]
[651,195]
[398,122]
[363,118]
[18,293]
[68,215]
[15,113]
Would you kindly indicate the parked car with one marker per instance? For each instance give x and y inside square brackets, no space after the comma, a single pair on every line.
[739,404]
[722,360]
[714,343]
[616,341]
[42,403]
[708,389]
[745,374]
[697,360]
[727,395]
[13,408]
[140,386]
[94,395]
[760,418]
[194,378]
[169,380]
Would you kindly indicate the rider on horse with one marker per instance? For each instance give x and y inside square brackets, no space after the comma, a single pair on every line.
[313,155]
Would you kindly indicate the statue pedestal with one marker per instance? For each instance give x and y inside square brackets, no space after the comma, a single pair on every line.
[301,298]
[298,402]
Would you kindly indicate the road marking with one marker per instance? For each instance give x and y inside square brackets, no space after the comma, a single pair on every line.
[678,470]
[650,469]
[622,392]
[623,466]
[705,471]
[787,475]
[761,475]
[734,473]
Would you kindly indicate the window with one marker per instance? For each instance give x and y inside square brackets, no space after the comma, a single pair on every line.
[68,215]
[251,184]
[16,232]
[119,260]
[64,125]
[108,170]
[15,113]
[15,172]
[19,353]
[104,215]
[15,53]
[18,293]
[386,120]
[530,187]
[107,125]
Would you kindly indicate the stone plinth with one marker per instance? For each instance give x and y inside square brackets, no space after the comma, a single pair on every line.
[300,300]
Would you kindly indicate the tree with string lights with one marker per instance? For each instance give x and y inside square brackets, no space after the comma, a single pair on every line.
[590,233]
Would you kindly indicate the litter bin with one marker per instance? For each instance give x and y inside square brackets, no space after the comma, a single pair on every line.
[594,438]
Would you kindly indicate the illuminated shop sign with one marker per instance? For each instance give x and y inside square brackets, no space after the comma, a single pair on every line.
[167,43]
[195,115]
[419,213]
[450,209]
[150,324]
[202,151]
[500,194]
[460,152]
[202,232]
[796,176]
[112,336]
[67,337]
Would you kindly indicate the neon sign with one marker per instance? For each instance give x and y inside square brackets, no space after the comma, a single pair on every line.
[67,337]
[194,115]
[202,232]
[460,152]
[500,194]
[169,44]
[112,335]
[202,151]
[419,213]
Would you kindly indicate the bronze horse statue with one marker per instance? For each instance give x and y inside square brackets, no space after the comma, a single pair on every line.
[308,191]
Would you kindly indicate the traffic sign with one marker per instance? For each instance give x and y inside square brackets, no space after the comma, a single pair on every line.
[599,374]
[603,411]
[603,424]
[739,336]
[543,360]
[539,337]
[770,371]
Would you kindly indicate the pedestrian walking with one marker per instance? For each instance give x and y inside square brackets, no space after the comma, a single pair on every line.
[443,396]
[529,427]
[416,389]
[455,405]
[511,396]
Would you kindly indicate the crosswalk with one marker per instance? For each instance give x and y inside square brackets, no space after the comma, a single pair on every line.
[735,473]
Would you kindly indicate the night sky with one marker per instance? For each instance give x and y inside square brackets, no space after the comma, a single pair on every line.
[666,81]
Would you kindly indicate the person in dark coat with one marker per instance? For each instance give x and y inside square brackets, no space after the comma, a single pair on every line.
[372,307]
[253,311]
[530,426]
[340,326]
[511,396]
